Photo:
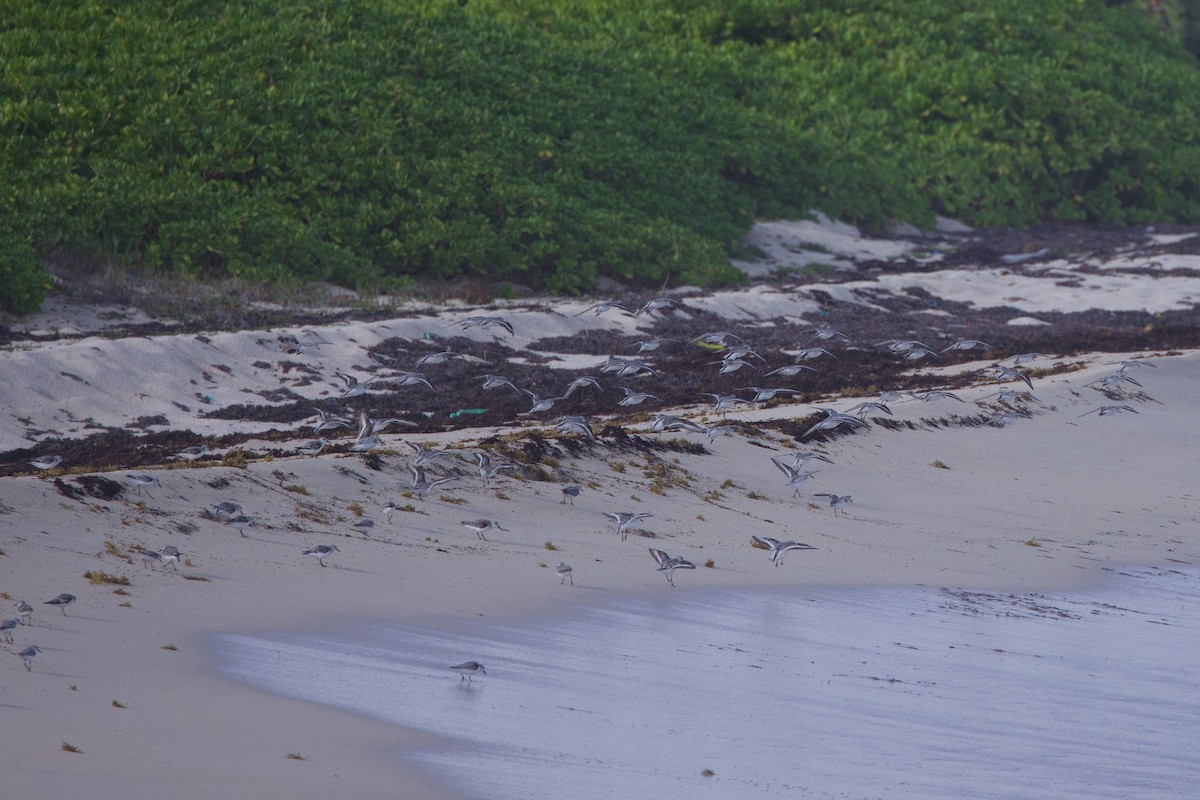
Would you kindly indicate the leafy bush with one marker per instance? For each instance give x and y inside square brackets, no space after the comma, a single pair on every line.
[550,142]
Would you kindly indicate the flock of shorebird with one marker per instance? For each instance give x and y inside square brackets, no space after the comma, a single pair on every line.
[735,354]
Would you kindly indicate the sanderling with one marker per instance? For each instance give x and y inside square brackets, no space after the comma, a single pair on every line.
[790,370]
[1012,374]
[809,353]
[193,453]
[938,395]
[716,337]
[562,570]
[731,365]
[828,333]
[142,480]
[227,509]
[798,460]
[1000,420]
[1025,358]
[1115,378]
[575,424]
[762,395]
[603,306]
[322,552]
[862,409]
[329,422]
[572,492]
[241,522]
[433,359]
[719,430]
[834,419]
[422,486]
[651,345]
[467,669]
[312,448]
[724,402]
[483,465]
[24,611]
[496,381]
[778,548]
[633,398]
[666,422]
[656,304]
[967,344]
[481,525]
[487,323]
[539,403]
[151,557]
[9,625]
[367,444]
[389,508]
[172,556]
[46,462]
[293,346]
[1133,362]
[1105,411]
[354,387]
[412,379]
[837,502]
[62,601]
[28,653]
[668,564]
[425,456]
[380,425]
[1009,396]
[582,382]
[625,520]
[795,478]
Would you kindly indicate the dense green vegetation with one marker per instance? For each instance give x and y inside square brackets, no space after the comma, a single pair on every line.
[553,141]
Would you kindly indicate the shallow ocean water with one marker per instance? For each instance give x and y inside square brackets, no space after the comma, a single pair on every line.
[850,692]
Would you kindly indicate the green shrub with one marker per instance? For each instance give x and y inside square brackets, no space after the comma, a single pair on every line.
[551,142]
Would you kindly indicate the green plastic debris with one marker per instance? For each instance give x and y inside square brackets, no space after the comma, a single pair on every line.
[454,414]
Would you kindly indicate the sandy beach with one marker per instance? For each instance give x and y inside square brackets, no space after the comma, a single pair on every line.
[945,494]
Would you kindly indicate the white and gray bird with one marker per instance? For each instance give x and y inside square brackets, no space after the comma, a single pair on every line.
[28,655]
[481,525]
[468,669]
[626,520]
[562,569]
[778,548]
[668,564]
[322,552]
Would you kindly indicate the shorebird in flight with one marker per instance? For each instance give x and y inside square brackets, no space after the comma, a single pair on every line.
[604,306]
[795,478]
[668,564]
[625,520]
[967,344]
[778,548]
[790,370]
[1105,411]
[837,502]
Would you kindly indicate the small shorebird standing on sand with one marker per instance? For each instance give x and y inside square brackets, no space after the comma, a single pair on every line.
[322,552]
[62,601]
[24,612]
[572,492]
[28,653]
[668,564]
[142,480]
[9,625]
[193,453]
[562,570]
[241,522]
[467,669]
[46,462]
[481,525]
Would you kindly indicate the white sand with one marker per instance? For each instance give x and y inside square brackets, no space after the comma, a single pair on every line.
[1092,493]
